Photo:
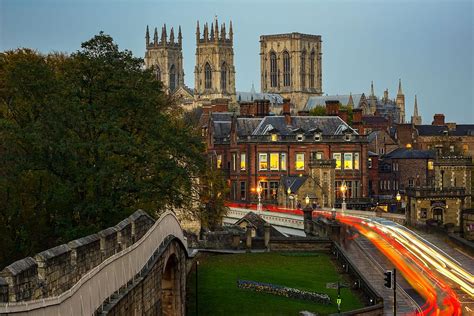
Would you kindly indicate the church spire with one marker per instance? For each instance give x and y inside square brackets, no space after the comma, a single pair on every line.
[231,32]
[216,31]
[172,36]
[212,32]
[180,37]
[206,32]
[147,36]
[351,101]
[223,32]
[164,36]
[372,93]
[155,38]
[415,110]
[198,32]
[400,86]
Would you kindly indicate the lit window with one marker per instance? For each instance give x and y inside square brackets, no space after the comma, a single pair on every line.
[356,161]
[262,162]
[274,137]
[274,157]
[299,163]
[430,165]
[283,161]
[451,148]
[465,148]
[370,163]
[243,161]
[337,157]
[234,161]
[348,161]
[219,161]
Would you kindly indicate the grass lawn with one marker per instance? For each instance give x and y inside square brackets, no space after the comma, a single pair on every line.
[219,294]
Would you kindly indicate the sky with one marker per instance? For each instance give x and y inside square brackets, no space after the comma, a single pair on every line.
[426,43]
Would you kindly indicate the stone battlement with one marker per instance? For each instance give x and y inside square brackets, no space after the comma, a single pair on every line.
[54,271]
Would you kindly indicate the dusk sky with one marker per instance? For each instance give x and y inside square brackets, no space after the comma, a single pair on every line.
[428,44]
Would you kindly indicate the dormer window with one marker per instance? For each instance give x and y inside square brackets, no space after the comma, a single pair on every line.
[317,137]
[300,137]
[347,137]
[274,137]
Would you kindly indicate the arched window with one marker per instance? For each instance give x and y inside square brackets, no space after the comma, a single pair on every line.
[224,77]
[158,73]
[273,70]
[303,69]
[172,78]
[286,69]
[208,76]
[311,70]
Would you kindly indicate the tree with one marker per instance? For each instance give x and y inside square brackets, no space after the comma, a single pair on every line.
[86,140]
[214,189]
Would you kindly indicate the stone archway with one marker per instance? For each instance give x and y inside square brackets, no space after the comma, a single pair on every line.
[171,288]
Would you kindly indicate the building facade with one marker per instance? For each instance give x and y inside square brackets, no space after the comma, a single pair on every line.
[214,73]
[291,65]
[165,57]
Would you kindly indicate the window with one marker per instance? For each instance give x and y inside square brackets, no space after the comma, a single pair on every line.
[465,148]
[274,137]
[355,189]
[234,161]
[410,183]
[299,163]
[264,185]
[224,77]
[243,190]
[299,137]
[370,163]
[274,157]
[348,161]
[337,157]
[438,214]
[424,213]
[347,137]
[356,161]
[303,69]
[172,78]
[273,70]
[317,137]
[243,161]
[286,69]
[430,165]
[274,189]
[234,190]
[311,70]
[262,162]
[158,73]
[451,148]
[208,76]
[219,161]
[283,161]
[317,155]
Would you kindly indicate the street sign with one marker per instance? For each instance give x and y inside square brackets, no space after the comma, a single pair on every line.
[331,285]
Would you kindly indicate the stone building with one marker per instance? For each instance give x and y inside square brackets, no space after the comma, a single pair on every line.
[214,73]
[445,201]
[165,57]
[290,65]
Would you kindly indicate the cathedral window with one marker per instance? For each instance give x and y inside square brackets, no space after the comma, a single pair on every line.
[311,70]
[286,70]
[158,73]
[224,77]
[303,69]
[208,76]
[172,78]
[273,70]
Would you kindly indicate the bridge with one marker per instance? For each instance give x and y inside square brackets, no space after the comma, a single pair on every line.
[141,270]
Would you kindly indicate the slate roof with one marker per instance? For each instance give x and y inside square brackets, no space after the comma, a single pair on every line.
[371,119]
[259,224]
[404,153]
[274,98]
[321,100]
[433,130]
[293,182]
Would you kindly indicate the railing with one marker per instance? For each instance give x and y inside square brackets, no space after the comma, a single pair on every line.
[107,278]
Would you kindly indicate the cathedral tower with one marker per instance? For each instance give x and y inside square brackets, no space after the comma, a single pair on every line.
[400,101]
[214,73]
[290,64]
[416,118]
[165,57]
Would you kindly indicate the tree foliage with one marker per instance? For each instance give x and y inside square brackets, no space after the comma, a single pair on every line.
[86,139]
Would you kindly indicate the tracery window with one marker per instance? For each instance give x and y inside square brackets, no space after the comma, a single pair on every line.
[273,70]
[286,70]
[208,76]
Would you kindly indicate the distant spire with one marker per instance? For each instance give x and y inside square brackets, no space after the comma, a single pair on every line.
[351,101]
[415,110]
[147,36]
[252,90]
[198,32]
[164,36]
[155,38]
[206,32]
[180,36]
[372,93]
[400,86]
[216,32]
[223,32]
[212,31]
[172,36]
[231,32]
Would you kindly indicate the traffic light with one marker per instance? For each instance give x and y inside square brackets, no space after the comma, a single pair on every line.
[388,279]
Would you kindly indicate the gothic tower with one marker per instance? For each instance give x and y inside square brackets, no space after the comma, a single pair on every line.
[400,101]
[214,73]
[372,100]
[416,118]
[166,58]
[290,64]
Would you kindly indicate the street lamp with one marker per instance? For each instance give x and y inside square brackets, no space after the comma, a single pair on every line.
[288,192]
[343,191]
[399,198]
[306,199]
[259,193]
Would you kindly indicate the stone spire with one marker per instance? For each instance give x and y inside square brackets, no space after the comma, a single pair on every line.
[172,36]
[212,32]
[155,38]
[400,101]
[223,32]
[198,32]
[164,36]
[351,101]
[231,32]
[147,36]
[216,31]
[372,93]
[206,32]
[416,118]
[400,86]
[180,37]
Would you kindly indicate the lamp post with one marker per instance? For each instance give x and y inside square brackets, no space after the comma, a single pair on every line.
[399,198]
[259,193]
[343,191]
[288,192]
[307,216]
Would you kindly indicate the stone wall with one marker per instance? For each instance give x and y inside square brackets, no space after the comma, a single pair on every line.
[53,271]
[300,244]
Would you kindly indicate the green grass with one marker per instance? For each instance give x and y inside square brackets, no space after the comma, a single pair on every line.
[219,294]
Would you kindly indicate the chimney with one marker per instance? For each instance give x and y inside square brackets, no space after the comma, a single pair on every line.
[332,107]
[263,107]
[451,126]
[246,109]
[343,115]
[357,115]
[287,111]
[220,105]
[438,120]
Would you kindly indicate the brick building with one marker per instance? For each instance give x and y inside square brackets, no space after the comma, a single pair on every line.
[258,149]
